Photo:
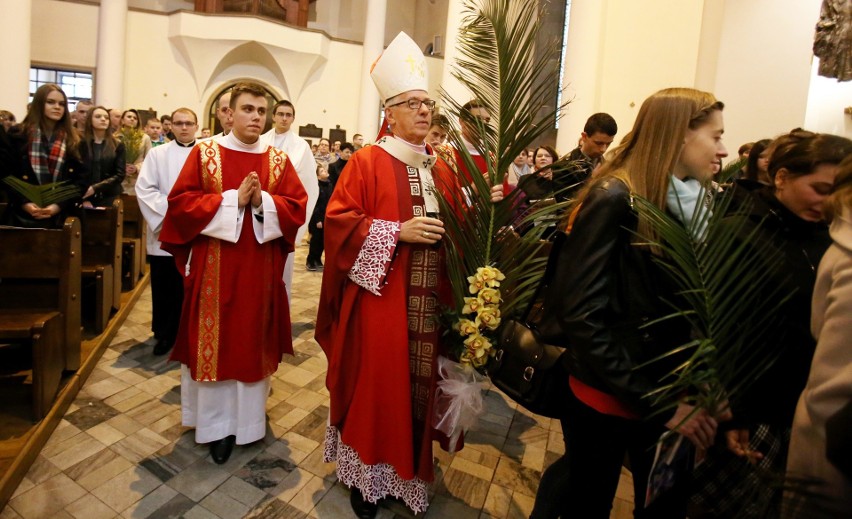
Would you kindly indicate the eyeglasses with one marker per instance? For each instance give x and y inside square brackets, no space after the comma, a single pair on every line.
[185,124]
[415,103]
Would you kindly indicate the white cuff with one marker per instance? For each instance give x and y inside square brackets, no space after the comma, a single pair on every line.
[227,223]
[265,220]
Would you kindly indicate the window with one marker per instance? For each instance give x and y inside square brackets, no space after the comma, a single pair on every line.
[77,85]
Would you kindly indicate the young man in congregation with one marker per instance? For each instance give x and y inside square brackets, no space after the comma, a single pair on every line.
[283,136]
[596,137]
[232,220]
[160,170]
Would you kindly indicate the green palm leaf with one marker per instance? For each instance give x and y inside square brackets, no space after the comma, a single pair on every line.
[498,65]
[46,194]
[725,291]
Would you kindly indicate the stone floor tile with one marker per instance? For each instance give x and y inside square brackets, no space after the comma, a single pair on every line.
[48,498]
[521,506]
[90,507]
[41,470]
[497,501]
[199,512]
[106,388]
[106,434]
[84,446]
[242,491]
[225,506]
[275,509]
[310,494]
[199,479]
[8,513]
[154,504]
[126,488]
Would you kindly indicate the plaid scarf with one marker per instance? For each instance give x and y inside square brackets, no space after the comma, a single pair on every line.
[47,165]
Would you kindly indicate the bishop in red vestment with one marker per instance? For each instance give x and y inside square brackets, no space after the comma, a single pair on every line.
[232,220]
[381,294]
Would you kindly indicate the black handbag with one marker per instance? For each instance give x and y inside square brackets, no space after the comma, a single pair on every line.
[530,371]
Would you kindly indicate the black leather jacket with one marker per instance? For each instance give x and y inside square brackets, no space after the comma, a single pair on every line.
[604,290]
[106,172]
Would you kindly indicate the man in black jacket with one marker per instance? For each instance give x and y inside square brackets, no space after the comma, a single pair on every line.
[336,167]
[597,135]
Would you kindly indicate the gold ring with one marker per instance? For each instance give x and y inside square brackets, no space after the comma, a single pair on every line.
[425,234]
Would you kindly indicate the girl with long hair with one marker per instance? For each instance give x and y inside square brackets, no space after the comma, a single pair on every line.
[45,151]
[603,303]
[137,144]
[103,156]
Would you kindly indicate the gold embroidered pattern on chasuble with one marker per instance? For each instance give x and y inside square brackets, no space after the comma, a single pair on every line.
[208,321]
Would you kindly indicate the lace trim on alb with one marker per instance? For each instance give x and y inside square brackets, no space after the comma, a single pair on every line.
[370,267]
[374,481]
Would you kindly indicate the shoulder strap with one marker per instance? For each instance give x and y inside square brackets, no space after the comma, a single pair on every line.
[552,261]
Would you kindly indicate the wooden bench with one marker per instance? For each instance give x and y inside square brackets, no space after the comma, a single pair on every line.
[134,242]
[102,259]
[40,273]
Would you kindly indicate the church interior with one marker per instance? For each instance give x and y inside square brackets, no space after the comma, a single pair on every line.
[110,442]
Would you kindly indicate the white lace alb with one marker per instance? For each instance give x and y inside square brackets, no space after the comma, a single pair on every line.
[374,481]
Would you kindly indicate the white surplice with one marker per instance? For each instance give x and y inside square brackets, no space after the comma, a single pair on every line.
[299,152]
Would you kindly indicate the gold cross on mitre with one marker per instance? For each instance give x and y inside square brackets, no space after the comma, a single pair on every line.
[415,66]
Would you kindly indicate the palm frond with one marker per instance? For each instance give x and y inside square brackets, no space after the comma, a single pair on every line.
[725,290]
[497,63]
[46,194]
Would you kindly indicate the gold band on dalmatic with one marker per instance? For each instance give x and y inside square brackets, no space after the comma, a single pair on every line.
[277,160]
[209,304]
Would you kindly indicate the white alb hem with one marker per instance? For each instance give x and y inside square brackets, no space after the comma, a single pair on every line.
[220,409]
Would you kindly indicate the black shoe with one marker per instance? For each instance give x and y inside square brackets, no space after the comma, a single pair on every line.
[311,267]
[363,509]
[162,347]
[318,265]
[220,450]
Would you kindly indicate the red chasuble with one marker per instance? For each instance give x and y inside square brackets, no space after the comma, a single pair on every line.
[368,329]
[235,323]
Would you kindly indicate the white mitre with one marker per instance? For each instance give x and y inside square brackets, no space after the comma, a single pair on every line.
[400,68]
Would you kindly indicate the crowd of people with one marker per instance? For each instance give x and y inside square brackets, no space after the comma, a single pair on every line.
[215,205]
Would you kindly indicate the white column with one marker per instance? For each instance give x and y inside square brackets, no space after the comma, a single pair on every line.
[583,61]
[15,58]
[374,44]
[112,44]
[449,84]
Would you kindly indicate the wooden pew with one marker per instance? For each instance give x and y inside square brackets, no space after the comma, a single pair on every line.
[134,242]
[40,302]
[102,259]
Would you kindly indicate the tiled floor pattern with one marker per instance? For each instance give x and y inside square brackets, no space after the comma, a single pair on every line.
[121,451]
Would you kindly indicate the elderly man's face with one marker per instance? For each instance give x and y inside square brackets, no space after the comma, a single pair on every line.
[406,123]
[323,147]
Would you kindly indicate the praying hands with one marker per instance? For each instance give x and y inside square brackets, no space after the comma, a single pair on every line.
[249,191]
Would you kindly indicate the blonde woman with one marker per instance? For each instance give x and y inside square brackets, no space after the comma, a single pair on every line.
[603,296]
